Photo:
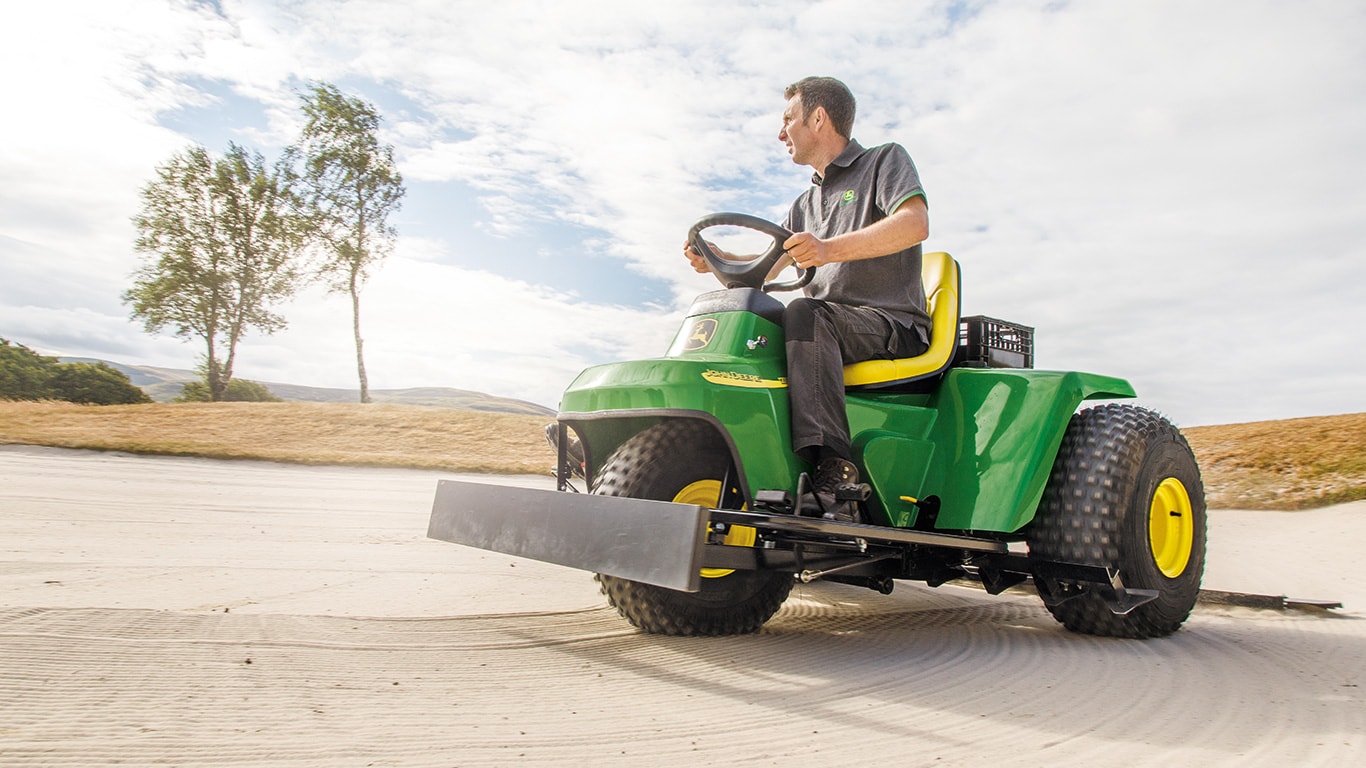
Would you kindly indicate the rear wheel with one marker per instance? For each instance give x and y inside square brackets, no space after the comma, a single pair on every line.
[686,462]
[1125,491]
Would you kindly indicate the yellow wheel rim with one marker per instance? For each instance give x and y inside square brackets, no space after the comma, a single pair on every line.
[1171,527]
[707,493]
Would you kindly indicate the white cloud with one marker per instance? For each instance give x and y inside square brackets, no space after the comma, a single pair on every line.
[428,324]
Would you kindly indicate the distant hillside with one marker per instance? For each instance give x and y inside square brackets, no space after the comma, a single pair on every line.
[164,385]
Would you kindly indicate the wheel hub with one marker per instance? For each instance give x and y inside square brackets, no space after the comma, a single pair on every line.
[1171,527]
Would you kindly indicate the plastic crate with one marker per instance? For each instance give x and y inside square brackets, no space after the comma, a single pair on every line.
[985,342]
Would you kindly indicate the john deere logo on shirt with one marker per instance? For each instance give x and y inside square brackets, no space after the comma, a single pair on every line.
[848,197]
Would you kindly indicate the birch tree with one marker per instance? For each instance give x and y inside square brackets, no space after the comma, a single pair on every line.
[349,185]
[220,241]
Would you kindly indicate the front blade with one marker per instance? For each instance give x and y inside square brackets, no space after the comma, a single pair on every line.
[654,542]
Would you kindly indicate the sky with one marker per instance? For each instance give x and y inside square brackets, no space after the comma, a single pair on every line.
[1169,192]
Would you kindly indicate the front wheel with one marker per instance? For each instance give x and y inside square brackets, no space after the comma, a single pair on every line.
[685,462]
[1125,491]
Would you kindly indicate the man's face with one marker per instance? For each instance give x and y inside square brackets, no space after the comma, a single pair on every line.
[796,132]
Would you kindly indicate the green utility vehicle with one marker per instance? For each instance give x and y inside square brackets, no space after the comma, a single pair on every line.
[977,467]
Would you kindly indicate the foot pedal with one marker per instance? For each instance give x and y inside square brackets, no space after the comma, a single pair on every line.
[853,492]
[776,501]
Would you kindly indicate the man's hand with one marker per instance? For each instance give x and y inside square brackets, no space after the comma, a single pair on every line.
[698,263]
[908,225]
[807,250]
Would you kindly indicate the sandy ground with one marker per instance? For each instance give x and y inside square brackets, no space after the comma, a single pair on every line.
[204,613]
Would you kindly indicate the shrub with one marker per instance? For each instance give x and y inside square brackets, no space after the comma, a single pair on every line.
[238,391]
[27,375]
[95,384]
[24,374]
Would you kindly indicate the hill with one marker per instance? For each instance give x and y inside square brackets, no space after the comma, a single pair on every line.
[1293,464]
[163,385]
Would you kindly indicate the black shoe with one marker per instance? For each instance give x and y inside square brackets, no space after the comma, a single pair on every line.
[835,477]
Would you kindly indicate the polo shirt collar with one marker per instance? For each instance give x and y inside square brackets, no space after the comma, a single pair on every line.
[844,159]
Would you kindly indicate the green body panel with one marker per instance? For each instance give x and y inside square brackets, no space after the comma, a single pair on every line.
[743,391]
[982,442]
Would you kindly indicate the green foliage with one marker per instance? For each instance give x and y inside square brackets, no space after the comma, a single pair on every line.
[24,374]
[237,391]
[95,384]
[27,375]
[349,184]
[221,239]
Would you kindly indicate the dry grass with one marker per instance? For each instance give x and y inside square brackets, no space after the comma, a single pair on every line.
[307,433]
[1293,464]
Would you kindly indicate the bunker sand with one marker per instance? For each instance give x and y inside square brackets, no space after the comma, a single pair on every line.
[197,612]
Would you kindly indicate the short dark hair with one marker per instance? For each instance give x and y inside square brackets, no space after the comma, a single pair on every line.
[826,92]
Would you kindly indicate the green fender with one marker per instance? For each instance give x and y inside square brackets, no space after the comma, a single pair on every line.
[728,369]
[983,443]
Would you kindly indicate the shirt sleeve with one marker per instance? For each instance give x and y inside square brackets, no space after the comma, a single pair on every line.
[897,178]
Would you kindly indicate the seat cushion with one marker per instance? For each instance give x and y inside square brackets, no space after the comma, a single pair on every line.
[940,274]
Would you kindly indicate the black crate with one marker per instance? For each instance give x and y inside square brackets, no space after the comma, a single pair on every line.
[985,342]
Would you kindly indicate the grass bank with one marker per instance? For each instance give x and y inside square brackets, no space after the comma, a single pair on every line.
[1292,464]
[305,433]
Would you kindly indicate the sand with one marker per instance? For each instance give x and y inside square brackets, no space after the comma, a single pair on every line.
[170,611]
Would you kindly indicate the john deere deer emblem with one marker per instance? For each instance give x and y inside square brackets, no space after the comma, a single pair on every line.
[700,334]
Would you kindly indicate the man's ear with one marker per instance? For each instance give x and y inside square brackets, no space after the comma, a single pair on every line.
[819,117]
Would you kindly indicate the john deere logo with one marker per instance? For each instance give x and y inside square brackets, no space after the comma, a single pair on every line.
[849,197]
[700,335]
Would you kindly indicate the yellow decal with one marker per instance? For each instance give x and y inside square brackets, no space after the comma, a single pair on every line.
[700,335]
[747,380]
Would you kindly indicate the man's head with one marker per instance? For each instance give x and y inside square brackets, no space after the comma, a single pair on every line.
[818,120]
[828,94]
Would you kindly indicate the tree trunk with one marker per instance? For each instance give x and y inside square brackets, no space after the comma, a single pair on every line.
[360,354]
[225,372]
[213,375]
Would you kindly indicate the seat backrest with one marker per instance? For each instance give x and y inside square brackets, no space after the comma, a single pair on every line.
[939,272]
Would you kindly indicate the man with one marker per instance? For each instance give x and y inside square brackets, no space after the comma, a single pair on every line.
[861,225]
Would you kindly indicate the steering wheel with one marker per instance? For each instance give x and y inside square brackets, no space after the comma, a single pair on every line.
[752,273]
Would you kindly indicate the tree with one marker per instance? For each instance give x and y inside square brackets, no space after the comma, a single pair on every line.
[95,384]
[222,237]
[238,391]
[349,186]
[27,375]
[24,374]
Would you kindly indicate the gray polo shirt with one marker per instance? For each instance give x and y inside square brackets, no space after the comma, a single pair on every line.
[862,187]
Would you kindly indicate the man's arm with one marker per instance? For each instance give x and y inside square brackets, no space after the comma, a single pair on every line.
[908,225]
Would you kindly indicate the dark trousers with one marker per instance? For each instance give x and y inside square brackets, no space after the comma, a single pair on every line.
[822,338]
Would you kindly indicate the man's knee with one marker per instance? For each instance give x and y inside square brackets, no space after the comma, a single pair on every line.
[799,319]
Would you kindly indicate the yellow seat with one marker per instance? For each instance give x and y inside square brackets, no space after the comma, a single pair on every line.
[939,272]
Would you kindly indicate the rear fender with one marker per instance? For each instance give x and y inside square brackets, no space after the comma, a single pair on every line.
[996,436]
